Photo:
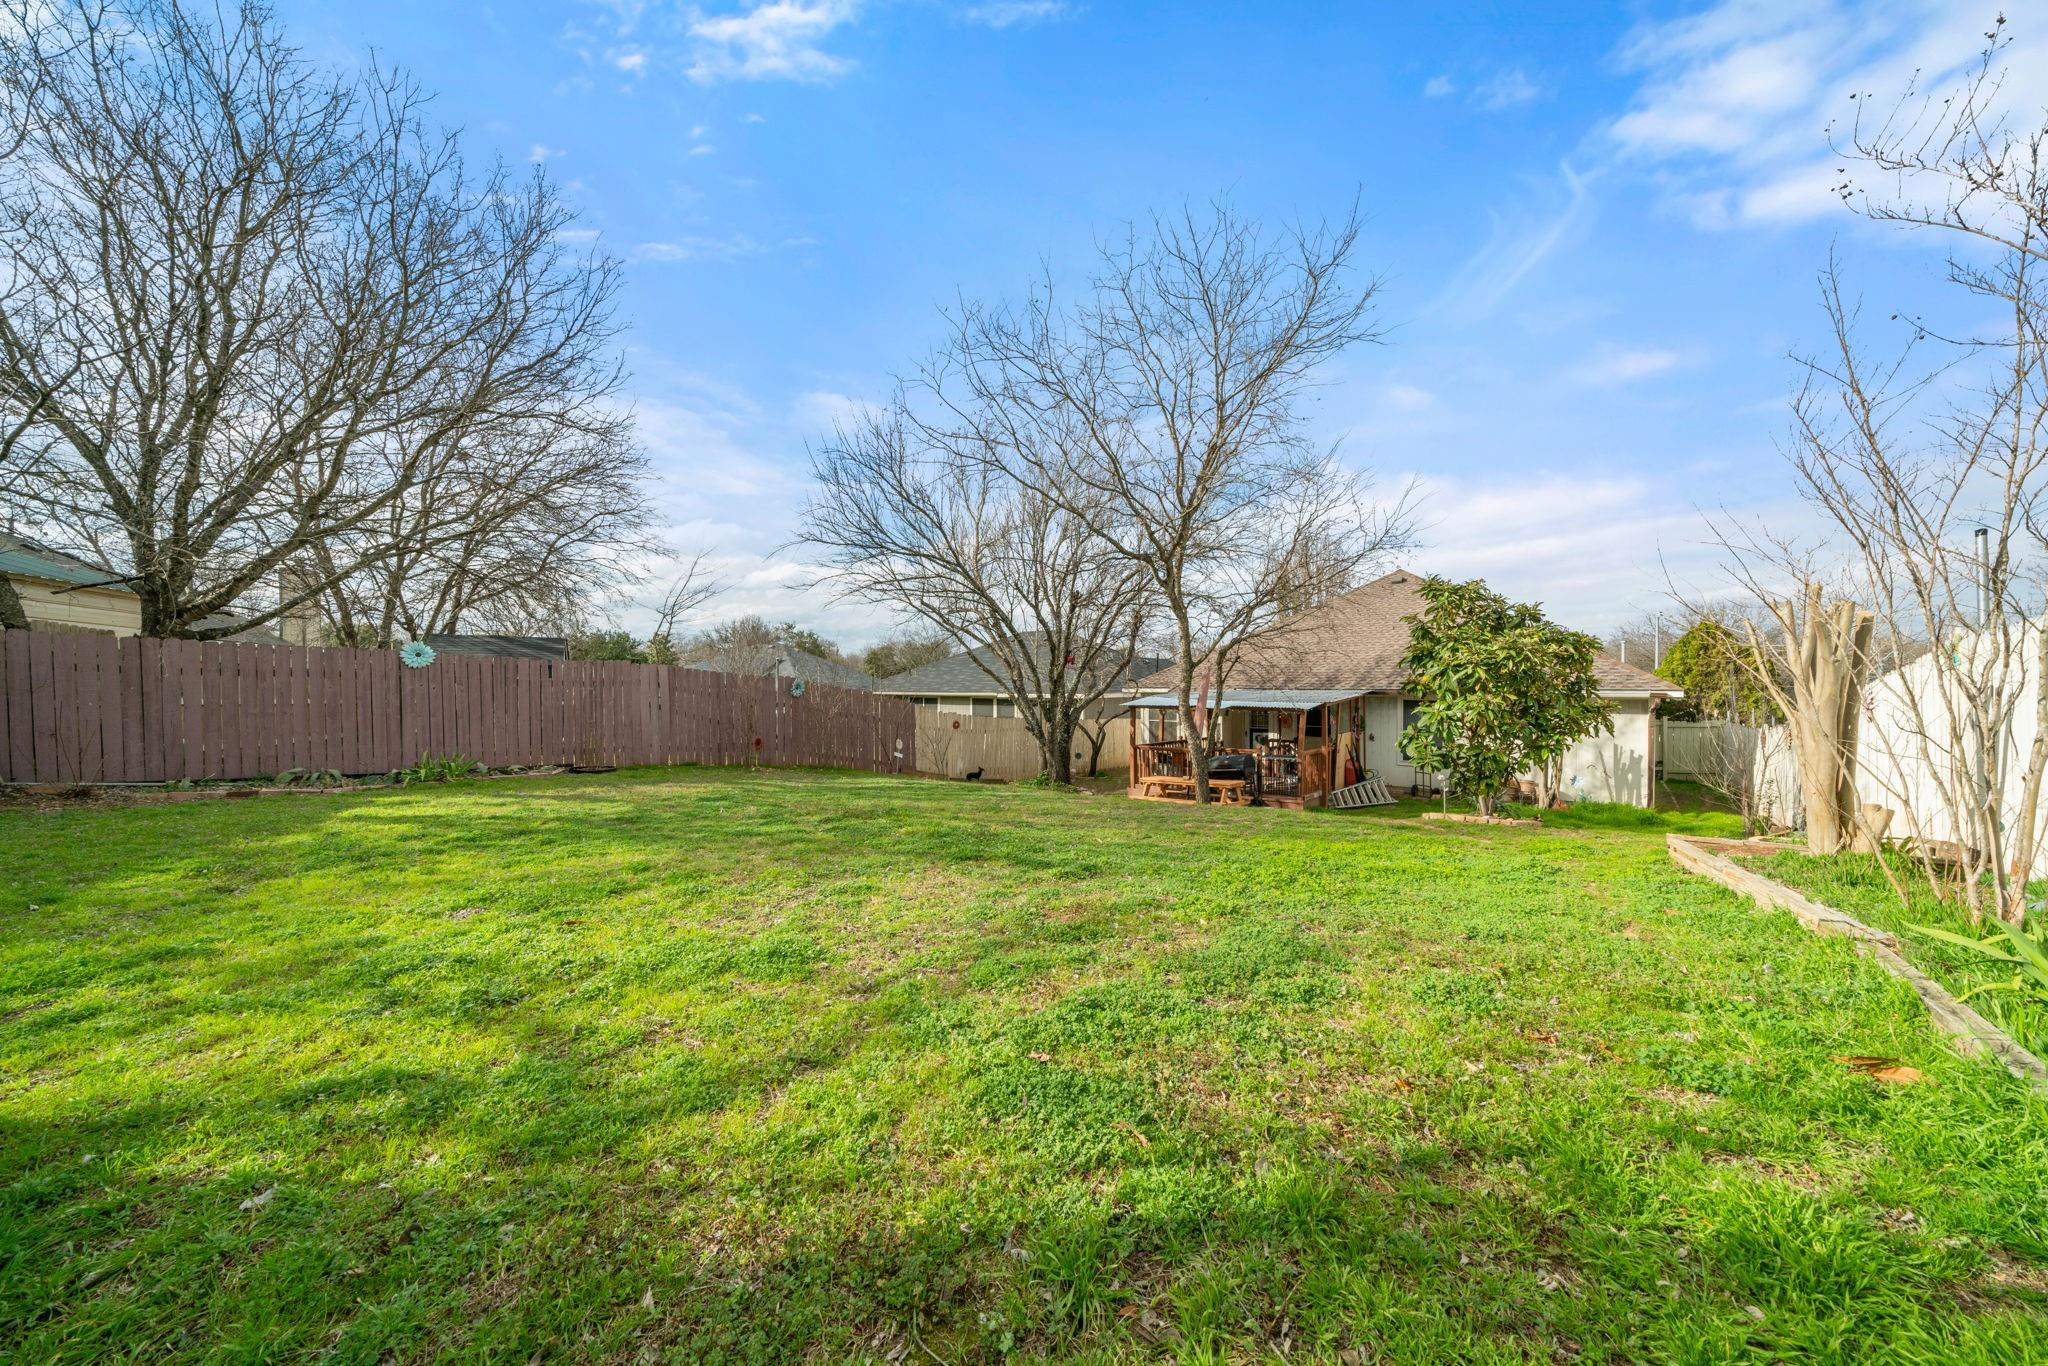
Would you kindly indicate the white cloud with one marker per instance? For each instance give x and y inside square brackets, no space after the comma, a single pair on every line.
[1612,365]
[774,40]
[1595,548]
[729,476]
[1007,13]
[753,118]
[541,152]
[1407,398]
[1439,87]
[1518,244]
[703,149]
[696,248]
[1505,89]
[632,61]
[1736,101]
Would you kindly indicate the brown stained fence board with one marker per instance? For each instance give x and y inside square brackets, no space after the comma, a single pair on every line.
[170,695]
[277,707]
[343,745]
[150,705]
[78,716]
[42,688]
[236,761]
[6,711]
[360,731]
[215,673]
[114,711]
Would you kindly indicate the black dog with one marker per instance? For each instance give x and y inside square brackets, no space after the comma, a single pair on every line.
[973,777]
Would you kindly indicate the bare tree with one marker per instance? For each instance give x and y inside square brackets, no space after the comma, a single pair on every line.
[1162,411]
[249,308]
[1926,466]
[941,518]
[691,589]
[515,529]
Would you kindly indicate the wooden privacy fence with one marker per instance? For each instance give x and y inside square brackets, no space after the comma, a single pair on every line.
[80,708]
[954,745]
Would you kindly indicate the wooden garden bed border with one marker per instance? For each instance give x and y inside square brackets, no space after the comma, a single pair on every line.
[1973,1033]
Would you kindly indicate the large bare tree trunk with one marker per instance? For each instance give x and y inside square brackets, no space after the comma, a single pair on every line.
[1826,655]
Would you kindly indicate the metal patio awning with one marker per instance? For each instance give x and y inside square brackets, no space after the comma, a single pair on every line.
[1257,699]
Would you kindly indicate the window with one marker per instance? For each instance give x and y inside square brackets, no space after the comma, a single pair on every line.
[924,702]
[1005,707]
[984,706]
[1409,708]
[1165,726]
[1312,724]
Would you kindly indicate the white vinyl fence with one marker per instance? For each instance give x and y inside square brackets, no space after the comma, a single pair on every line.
[1719,754]
[1001,747]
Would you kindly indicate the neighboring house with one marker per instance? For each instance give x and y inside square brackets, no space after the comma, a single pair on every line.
[786,661]
[971,684]
[1325,699]
[500,647]
[61,592]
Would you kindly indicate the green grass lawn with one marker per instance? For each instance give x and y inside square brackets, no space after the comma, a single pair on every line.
[1856,883]
[708,1065]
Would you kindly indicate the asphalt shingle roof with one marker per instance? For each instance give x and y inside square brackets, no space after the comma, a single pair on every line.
[976,673]
[1357,640]
[500,647]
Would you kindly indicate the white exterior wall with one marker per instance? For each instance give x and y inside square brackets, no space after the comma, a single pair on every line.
[86,609]
[1613,768]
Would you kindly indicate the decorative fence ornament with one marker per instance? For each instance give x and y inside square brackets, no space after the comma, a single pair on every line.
[796,687]
[416,654]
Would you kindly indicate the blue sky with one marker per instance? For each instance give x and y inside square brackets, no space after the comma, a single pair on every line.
[1597,225]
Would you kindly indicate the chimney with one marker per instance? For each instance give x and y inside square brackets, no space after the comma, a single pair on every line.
[1983,578]
[299,625]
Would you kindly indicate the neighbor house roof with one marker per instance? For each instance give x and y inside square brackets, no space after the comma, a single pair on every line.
[24,558]
[20,555]
[500,647]
[786,661]
[1356,641]
[977,673]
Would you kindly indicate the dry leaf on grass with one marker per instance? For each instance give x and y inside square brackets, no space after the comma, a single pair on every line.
[1881,1069]
[1039,1057]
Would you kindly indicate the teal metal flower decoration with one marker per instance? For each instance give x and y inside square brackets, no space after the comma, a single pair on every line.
[415,654]
[796,687]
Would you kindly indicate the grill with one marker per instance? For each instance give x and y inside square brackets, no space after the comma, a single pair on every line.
[1242,766]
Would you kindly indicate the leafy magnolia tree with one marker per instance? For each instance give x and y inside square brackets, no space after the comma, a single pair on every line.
[1504,690]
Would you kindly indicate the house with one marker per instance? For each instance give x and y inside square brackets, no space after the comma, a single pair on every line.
[786,661]
[971,683]
[1324,699]
[61,592]
[499,647]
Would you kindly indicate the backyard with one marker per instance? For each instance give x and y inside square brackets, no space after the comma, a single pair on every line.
[719,1065]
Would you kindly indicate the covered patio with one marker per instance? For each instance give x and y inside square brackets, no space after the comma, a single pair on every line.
[1271,746]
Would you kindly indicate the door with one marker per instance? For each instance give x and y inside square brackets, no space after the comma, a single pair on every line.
[1383,741]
